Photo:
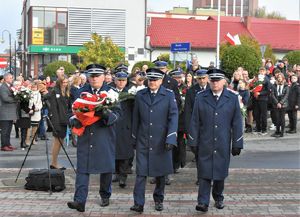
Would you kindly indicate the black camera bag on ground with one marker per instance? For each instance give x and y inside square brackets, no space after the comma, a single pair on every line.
[38,180]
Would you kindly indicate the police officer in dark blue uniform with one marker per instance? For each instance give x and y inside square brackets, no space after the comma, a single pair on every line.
[155,121]
[169,83]
[215,128]
[124,145]
[201,85]
[96,147]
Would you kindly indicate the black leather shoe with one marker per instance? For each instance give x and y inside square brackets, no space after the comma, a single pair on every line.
[122,184]
[104,202]
[291,131]
[202,207]
[53,167]
[276,134]
[137,208]
[159,206]
[80,207]
[219,204]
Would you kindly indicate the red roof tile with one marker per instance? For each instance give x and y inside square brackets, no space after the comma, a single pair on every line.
[282,35]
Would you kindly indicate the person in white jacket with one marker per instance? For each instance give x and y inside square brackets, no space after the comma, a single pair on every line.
[36,104]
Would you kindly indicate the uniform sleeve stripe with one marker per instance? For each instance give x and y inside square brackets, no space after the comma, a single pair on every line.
[191,137]
[172,134]
[239,138]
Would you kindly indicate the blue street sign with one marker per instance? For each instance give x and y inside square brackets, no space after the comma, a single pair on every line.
[180,47]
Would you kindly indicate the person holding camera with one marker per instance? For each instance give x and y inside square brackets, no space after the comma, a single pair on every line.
[155,123]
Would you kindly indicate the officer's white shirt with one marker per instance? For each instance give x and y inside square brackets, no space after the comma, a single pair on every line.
[218,94]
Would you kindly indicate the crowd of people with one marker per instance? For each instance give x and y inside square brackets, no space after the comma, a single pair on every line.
[171,110]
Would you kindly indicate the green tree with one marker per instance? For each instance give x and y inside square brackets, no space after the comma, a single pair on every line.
[251,42]
[102,51]
[293,57]
[50,69]
[262,13]
[164,57]
[244,56]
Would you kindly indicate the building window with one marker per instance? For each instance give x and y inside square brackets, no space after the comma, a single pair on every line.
[37,19]
[49,27]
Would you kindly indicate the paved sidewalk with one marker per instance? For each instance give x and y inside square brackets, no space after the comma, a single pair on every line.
[248,192]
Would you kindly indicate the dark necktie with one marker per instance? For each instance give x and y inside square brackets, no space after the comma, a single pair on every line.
[152,96]
[216,98]
[95,91]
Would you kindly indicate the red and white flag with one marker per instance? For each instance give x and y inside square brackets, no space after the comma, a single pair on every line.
[230,38]
[233,40]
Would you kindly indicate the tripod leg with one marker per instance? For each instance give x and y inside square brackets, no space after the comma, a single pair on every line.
[48,166]
[63,147]
[31,143]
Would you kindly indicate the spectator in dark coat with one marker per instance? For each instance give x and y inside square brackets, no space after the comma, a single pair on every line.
[60,111]
[280,94]
[8,112]
[293,104]
[260,108]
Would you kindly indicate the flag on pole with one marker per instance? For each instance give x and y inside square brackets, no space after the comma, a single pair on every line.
[230,38]
[237,40]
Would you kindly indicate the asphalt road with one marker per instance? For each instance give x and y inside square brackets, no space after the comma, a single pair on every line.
[261,152]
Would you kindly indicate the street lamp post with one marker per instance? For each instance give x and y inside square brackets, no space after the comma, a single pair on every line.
[9,47]
[218,35]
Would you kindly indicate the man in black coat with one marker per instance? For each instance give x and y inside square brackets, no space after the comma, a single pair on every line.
[293,104]
[179,152]
[260,108]
[124,145]
[201,85]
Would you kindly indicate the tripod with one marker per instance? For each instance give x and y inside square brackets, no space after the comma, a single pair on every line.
[46,118]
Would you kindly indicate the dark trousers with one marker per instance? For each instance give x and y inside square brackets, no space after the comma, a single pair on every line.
[292,119]
[260,110]
[179,152]
[123,168]
[6,127]
[140,188]
[196,158]
[273,115]
[204,190]
[280,119]
[82,186]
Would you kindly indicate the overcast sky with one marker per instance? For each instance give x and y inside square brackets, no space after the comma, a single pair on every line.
[10,13]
